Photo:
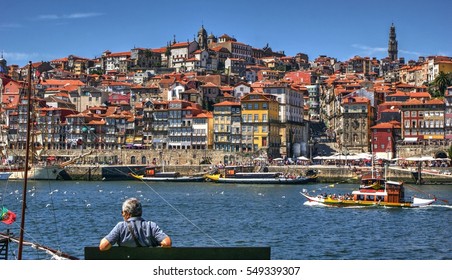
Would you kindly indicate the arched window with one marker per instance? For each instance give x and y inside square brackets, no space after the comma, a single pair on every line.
[132,160]
[143,160]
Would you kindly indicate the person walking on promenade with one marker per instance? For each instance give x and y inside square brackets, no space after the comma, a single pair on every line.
[135,231]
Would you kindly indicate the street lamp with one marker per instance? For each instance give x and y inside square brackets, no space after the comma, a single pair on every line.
[311,144]
[345,153]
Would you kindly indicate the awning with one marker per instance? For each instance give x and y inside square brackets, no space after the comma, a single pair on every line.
[410,139]
[436,137]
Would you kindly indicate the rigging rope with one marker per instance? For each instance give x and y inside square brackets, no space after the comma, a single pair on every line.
[428,194]
[56,254]
[36,221]
[181,214]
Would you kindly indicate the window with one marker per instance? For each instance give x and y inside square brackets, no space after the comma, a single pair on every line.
[256,118]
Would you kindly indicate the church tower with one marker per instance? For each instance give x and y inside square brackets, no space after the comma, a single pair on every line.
[3,66]
[392,44]
[202,38]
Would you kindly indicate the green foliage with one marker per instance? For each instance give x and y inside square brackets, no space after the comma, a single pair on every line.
[438,87]
[449,152]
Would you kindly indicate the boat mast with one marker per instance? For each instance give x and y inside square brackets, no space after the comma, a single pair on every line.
[27,159]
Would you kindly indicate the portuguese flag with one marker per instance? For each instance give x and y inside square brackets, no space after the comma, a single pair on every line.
[7,216]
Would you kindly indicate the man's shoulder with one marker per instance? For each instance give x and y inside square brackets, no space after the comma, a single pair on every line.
[120,224]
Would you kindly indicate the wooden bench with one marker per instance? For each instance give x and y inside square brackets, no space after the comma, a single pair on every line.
[179,253]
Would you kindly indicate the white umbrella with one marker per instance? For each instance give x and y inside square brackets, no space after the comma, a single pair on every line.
[260,158]
[421,158]
[302,158]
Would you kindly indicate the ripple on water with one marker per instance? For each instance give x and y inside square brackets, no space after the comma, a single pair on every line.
[220,215]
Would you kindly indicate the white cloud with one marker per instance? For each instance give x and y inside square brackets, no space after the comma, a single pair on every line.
[369,50]
[48,17]
[410,52]
[23,58]
[69,16]
[10,25]
[84,15]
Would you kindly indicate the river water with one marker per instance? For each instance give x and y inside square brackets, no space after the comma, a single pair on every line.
[69,215]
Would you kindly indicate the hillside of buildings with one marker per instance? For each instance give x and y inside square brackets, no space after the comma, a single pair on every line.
[217,93]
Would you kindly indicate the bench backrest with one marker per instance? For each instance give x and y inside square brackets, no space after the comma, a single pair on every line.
[178,253]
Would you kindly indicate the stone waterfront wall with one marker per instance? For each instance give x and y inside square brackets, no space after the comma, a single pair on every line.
[327,174]
[187,162]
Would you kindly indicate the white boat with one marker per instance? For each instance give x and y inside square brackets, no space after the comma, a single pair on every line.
[5,175]
[37,173]
[41,172]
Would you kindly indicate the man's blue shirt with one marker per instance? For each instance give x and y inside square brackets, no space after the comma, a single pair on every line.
[148,233]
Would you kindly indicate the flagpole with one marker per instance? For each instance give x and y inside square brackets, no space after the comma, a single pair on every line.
[27,159]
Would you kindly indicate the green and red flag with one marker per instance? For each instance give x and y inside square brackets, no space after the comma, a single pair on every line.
[6,216]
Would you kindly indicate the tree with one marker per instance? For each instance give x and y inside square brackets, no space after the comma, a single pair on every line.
[449,152]
[441,83]
[168,55]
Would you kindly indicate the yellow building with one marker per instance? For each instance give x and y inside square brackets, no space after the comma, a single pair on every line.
[260,124]
[445,66]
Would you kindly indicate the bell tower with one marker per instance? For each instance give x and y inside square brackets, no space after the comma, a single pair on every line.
[202,38]
[392,44]
[3,65]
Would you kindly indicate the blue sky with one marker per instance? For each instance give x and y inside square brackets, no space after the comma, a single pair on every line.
[49,29]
